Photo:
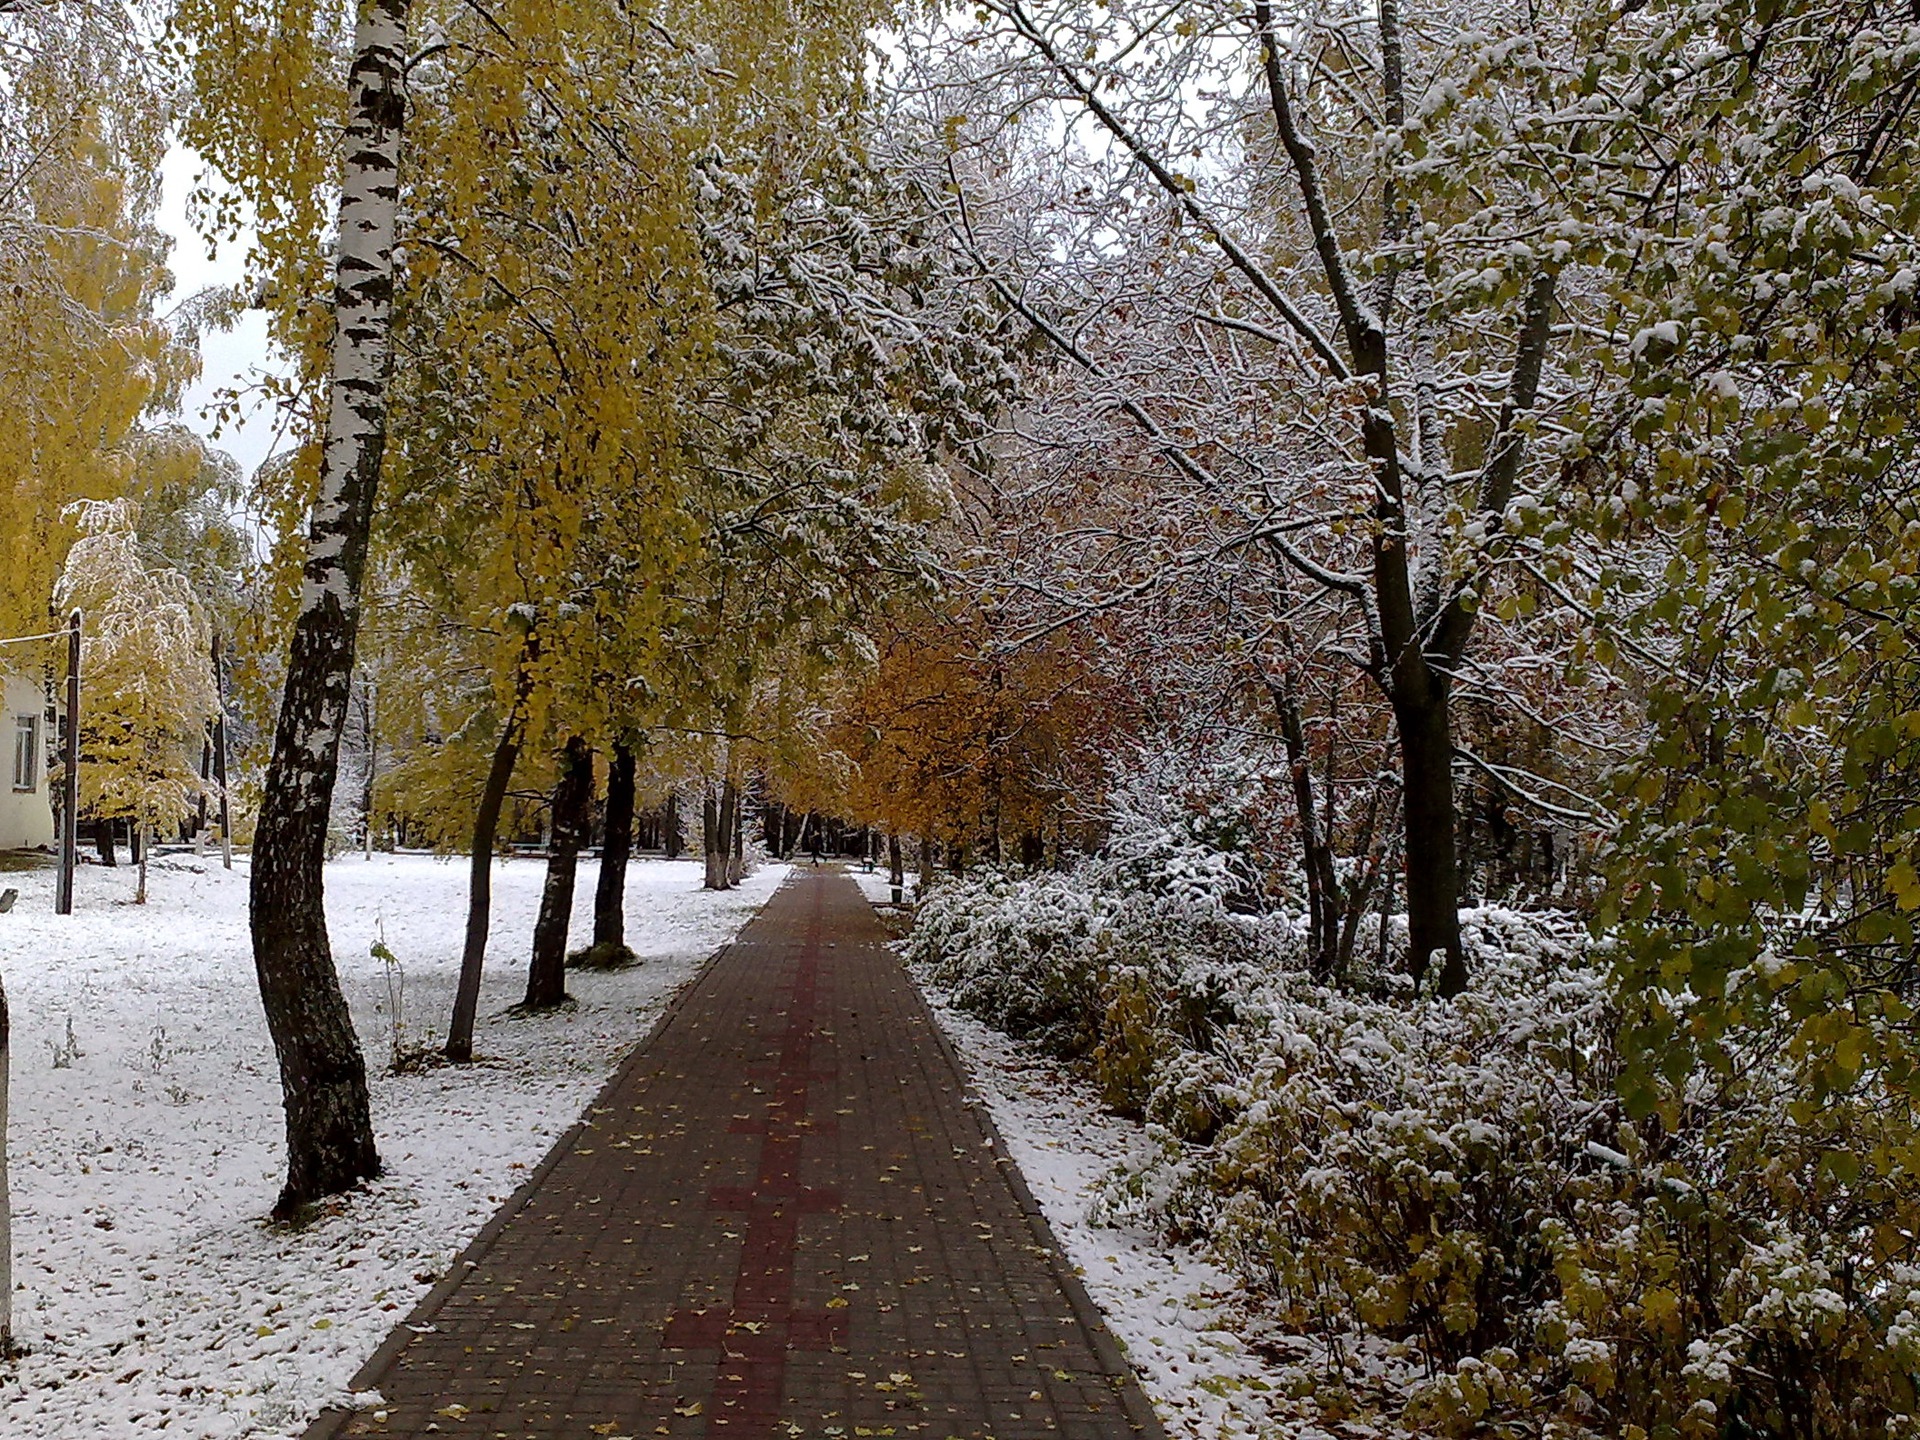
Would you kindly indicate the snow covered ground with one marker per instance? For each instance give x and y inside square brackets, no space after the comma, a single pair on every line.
[875,885]
[146,1134]
[1214,1371]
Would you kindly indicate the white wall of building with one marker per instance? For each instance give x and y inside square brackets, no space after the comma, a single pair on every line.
[26,731]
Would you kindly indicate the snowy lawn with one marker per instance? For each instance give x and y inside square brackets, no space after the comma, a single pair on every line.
[146,1135]
[1214,1370]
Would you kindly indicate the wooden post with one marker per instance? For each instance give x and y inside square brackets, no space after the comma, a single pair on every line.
[220,757]
[70,789]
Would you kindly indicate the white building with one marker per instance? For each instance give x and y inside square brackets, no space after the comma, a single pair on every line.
[26,805]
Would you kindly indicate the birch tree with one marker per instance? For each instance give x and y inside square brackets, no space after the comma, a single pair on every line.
[330,1144]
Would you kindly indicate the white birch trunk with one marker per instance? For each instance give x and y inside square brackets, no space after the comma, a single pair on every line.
[330,1143]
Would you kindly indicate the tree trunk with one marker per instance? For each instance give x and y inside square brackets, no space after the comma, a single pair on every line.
[322,1073]
[731,851]
[1372,843]
[926,868]
[1316,849]
[1388,865]
[610,891]
[140,855]
[672,824]
[369,702]
[206,777]
[220,758]
[710,835]
[103,842]
[896,869]
[1433,882]
[486,825]
[572,806]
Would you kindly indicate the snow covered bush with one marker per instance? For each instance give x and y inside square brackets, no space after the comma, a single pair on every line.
[1017,954]
[1128,981]
[1459,1178]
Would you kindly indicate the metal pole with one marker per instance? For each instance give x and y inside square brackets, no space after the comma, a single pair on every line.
[220,757]
[70,797]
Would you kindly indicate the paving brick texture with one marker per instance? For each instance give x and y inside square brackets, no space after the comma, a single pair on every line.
[782,1218]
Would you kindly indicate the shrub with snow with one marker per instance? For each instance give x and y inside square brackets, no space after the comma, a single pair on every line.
[1460,1176]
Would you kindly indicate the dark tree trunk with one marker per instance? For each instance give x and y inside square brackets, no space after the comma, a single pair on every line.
[896,869]
[103,842]
[206,777]
[323,1076]
[672,825]
[368,707]
[710,836]
[610,893]
[572,814]
[737,832]
[1316,849]
[729,819]
[486,826]
[1370,842]
[1510,864]
[1433,881]
[1388,865]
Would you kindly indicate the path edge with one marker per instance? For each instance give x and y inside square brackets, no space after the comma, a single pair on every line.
[1133,1394]
[326,1425]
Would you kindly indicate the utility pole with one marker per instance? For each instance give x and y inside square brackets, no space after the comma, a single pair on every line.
[70,788]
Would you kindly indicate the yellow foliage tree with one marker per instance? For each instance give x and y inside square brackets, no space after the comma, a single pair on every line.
[83,353]
[147,675]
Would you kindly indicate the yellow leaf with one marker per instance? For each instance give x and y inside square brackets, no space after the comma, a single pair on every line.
[1905,885]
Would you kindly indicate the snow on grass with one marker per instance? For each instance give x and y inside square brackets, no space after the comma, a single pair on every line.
[875,885]
[146,1135]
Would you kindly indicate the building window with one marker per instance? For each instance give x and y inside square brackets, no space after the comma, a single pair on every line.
[26,752]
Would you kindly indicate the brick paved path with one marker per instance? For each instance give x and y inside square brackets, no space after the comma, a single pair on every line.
[781,1219]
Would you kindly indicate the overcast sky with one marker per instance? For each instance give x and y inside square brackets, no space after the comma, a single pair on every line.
[231,357]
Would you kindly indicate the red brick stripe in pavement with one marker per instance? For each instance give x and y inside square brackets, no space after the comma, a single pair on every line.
[782,1218]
